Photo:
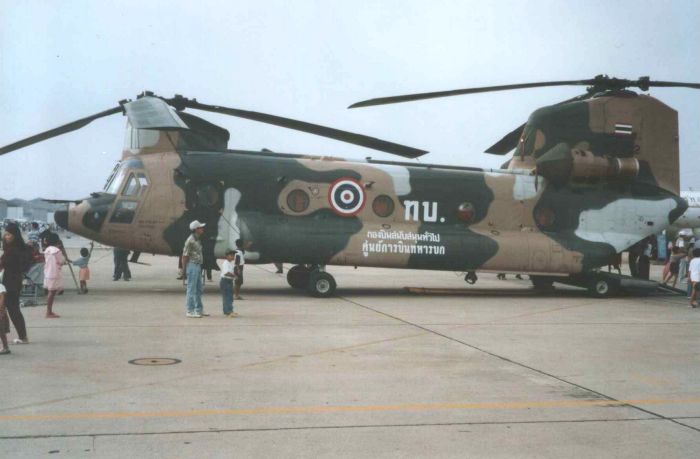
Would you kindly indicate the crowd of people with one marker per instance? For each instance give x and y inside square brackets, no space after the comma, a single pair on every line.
[45,247]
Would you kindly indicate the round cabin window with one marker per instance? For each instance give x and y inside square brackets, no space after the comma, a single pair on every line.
[544,216]
[298,201]
[466,212]
[383,206]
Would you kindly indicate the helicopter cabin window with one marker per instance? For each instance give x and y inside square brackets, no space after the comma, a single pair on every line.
[143,183]
[124,212]
[110,179]
[298,201]
[116,181]
[383,206]
[132,186]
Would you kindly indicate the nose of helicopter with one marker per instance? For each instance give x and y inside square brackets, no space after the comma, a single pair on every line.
[61,218]
[85,217]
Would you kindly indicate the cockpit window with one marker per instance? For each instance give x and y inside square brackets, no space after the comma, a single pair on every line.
[132,186]
[143,183]
[111,176]
[124,212]
[115,182]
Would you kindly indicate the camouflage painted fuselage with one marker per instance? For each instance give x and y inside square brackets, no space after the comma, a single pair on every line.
[408,216]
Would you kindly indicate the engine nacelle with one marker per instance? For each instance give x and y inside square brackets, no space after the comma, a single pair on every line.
[562,164]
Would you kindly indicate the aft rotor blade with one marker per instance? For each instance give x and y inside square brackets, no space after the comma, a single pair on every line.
[72,126]
[459,92]
[508,142]
[597,84]
[323,131]
[673,84]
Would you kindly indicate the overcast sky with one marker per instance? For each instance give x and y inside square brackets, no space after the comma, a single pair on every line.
[60,61]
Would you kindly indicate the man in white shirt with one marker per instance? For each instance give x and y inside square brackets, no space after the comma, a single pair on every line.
[694,275]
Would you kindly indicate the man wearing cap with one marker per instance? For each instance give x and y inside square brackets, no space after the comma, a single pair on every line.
[192,262]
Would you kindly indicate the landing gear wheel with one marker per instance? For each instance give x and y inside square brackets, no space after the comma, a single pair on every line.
[542,283]
[603,287]
[321,284]
[298,276]
[471,278]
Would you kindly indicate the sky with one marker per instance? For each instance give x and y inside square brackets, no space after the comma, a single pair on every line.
[309,60]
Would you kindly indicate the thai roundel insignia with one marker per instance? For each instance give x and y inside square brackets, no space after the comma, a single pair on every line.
[346,197]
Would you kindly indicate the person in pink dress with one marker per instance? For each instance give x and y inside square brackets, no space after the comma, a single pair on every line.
[53,281]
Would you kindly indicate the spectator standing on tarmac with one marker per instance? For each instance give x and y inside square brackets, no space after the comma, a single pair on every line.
[192,260]
[4,323]
[226,283]
[239,263]
[33,235]
[121,264]
[643,262]
[674,266]
[14,262]
[694,273]
[53,282]
[82,263]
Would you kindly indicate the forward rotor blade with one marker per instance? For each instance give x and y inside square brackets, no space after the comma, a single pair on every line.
[459,92]
[75,125]
[323,131]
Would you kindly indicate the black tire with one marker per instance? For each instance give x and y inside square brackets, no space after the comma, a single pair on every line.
[603,287]
[321,284]
[542,283]
[298,277]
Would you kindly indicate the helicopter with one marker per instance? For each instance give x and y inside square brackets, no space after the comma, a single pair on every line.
[589,177]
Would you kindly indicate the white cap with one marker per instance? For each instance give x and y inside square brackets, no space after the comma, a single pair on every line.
[196,224]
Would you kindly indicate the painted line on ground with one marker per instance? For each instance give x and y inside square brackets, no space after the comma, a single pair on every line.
[408,407]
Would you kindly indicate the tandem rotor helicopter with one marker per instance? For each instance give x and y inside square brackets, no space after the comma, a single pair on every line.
[590,177]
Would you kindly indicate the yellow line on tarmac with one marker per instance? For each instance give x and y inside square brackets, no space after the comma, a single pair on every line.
[349,409]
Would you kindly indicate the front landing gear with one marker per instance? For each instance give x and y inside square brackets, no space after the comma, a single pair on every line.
[298,276]
[313,279]
[321,284]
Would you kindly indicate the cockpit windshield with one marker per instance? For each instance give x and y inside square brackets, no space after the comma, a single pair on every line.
[116,179]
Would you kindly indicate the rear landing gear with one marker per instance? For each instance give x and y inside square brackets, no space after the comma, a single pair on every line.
[603,286]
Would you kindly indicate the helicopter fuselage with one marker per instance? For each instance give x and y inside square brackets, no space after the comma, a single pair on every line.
[328,211]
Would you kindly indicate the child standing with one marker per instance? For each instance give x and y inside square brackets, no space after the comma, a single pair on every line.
[4,323]
[53,281]
[226,283]
[82,263]
[694,275]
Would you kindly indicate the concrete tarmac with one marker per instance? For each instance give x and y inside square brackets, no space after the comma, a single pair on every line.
[374,372]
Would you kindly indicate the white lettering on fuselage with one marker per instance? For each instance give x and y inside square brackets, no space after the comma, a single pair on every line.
[402,242]
[413,213]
